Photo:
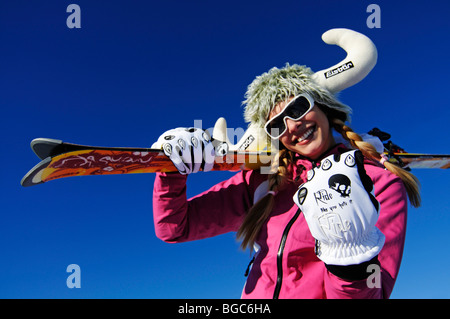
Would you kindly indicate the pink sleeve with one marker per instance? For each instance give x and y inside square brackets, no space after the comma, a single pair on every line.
[390,193]
[216,211]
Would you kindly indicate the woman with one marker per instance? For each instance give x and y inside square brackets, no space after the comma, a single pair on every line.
[298,256]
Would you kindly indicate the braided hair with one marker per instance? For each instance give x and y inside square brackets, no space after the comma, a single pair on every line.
[282,168]
[411,182]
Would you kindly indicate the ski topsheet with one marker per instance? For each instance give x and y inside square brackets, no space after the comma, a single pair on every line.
[109,161]
[61,159]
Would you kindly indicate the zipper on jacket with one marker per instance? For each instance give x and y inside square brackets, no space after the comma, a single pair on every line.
[276,293]
[249,265]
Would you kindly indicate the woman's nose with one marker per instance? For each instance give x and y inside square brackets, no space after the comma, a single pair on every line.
[292,125]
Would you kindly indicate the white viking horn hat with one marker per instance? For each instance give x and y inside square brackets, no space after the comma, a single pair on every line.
[361,58]
[278,85]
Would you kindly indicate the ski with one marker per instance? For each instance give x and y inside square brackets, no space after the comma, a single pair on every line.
[82,160]
[400,157]
[60,159]
[110,161]
[417,160]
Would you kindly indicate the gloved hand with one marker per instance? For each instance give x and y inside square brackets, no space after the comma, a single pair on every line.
[190,149]
[341,211]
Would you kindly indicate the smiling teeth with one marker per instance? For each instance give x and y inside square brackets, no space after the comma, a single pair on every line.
[306,135]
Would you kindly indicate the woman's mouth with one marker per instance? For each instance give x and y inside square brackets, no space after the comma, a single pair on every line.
[307,134]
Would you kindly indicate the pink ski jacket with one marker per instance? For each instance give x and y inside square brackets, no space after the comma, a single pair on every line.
[285,264]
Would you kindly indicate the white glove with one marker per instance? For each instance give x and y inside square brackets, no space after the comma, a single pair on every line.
[341,211]
[190,149]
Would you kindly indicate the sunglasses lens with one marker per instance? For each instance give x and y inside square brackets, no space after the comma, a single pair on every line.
[276,127]
[298,108]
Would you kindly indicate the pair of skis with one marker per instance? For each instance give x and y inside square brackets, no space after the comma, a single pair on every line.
[60,159]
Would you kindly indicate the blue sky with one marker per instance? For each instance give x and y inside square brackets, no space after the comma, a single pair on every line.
[137,68]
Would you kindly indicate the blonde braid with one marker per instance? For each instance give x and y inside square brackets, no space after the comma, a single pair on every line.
[260,211]
[411,182]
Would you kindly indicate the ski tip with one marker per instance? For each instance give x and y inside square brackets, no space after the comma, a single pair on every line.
[43,140]
[34,176]
[44,147]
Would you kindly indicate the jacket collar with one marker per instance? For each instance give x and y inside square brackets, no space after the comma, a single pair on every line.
[304,164]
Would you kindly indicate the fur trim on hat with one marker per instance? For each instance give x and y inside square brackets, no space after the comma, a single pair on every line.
[278,85]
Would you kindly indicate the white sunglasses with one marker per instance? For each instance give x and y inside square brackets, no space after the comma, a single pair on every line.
[297,108]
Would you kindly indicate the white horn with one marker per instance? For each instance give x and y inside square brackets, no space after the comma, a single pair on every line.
[254,138]
[360,60]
